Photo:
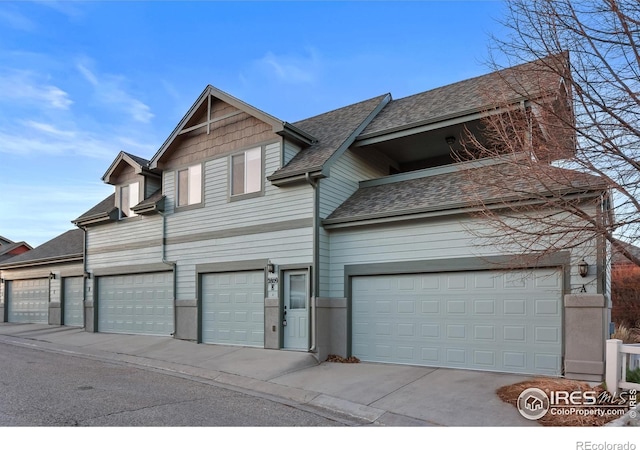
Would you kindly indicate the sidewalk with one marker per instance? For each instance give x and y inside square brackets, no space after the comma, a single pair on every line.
[379,394]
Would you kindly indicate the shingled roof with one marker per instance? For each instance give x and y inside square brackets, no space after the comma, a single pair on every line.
[525,81]
[454,187]
[103,211]
[65,247]
[335,131]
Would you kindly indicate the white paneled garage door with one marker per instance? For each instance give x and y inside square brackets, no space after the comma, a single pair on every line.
[484,320]
[29,301]
[136,304]
[72,296]
[233,308]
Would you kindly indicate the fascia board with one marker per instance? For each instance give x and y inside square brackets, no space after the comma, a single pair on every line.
[43,261]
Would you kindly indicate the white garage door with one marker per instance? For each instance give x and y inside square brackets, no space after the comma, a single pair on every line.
[233,308]
[72,296]
[29,301]
[485,320]
[136,304]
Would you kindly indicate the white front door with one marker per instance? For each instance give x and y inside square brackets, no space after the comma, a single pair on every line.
[296,310]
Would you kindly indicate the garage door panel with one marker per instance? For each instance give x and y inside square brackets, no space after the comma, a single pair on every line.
[136,304]
[233,308]
[28,301]
[479,320]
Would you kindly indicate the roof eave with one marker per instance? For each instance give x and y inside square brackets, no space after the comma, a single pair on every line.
[296,177]
[43,261]
[104,217]
[152,208]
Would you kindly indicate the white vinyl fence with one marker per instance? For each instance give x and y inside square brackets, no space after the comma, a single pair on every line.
[620,358]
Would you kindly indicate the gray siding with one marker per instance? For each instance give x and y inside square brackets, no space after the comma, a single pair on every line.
[345,174]
[215,232]
[446,238]
[290,150]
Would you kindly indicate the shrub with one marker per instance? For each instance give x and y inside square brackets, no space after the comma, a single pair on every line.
[625,295]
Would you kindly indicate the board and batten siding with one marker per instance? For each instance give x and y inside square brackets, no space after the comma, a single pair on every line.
[276,225]
[343,181]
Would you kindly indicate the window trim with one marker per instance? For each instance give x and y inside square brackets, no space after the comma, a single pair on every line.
[260,192]
[121,211]
[194,205]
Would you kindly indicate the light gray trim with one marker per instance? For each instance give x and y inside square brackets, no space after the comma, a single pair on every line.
[232,266]
[242,231]
[22,276]
[505,262]
[176,182]
[260,193]
[131,270]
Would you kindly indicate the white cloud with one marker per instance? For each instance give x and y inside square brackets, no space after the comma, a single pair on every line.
[16,20]
[293,69]
[50,129]
[110,92]
[25,86]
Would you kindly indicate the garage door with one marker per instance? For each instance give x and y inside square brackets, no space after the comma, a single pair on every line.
[29,301]
[136,304]
[72,296]
[485,320]
[233,308]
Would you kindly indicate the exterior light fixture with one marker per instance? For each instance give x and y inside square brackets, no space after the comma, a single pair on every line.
[87,275]
[270,267]
[450,140]
[1,280]
[52,276]
[583,268]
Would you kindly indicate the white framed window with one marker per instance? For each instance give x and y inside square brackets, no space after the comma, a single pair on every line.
[129,197]
[189,183]
[246,172]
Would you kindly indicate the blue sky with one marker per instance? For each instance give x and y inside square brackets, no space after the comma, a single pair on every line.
[80,81]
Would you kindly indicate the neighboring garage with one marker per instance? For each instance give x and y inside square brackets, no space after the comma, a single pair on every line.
[34,286]
[136,303]
[72,301]
[28,300]
[483,320]
[233,308]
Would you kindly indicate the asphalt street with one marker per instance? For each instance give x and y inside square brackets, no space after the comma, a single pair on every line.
[41,388]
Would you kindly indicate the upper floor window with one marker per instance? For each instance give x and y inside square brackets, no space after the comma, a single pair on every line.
[246,172]
[190,185]
[129,197]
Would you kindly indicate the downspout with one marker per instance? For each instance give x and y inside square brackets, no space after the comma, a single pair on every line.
[316,260]
[84,276]
[173,269]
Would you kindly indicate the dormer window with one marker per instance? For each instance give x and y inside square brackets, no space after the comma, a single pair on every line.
[189,185]
[129,197]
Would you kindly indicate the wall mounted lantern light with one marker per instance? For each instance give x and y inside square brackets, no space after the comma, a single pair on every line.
[52,276]
[583,268]
[270,267]
[87,275]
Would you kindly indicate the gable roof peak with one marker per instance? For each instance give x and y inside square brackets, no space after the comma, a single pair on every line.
[280,127]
